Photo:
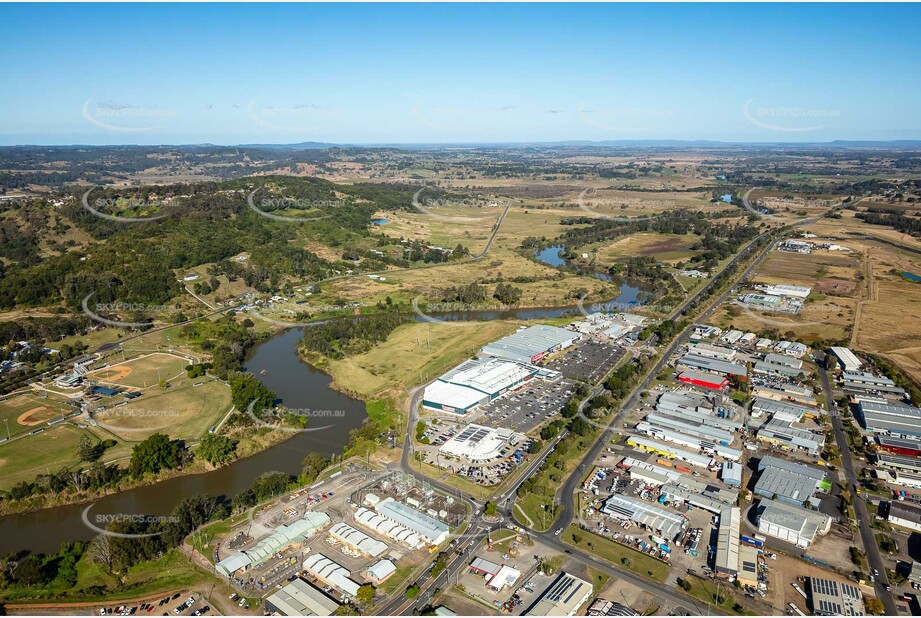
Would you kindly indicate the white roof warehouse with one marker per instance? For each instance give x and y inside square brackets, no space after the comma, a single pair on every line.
[529,345]
[434,531]
[891,419]
[300,598]
[563,597]
[474,383]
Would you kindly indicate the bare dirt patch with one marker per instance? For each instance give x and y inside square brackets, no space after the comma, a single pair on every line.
[113,374]
[35,416]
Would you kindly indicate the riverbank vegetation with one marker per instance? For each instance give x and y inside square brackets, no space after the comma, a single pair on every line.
[138,555]
[337,339]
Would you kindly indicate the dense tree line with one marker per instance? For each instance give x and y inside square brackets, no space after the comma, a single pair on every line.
[469,294]
[899,222]
[339,338]
[43,329]
[507,294]
[716,237]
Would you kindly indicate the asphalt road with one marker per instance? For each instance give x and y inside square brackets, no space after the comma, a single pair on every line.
[571,485]
[860,506]
[398,605]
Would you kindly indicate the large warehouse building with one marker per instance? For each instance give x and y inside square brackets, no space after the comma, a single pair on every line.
[529,345]
[358,540]
[846,359]
[788,291]
[791,524]
[668,524]
[905,516]
[726,561]
[702,363]
[894,420]
[300,598]
[474,383]
[788,481]
[429,528]
[703,379]
[331,573]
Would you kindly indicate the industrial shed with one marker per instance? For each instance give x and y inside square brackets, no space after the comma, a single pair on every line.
[790,482]
[529,345]
[846,359]
[726,561]
[791,524]
[703,379]
[301,598]
[891,419]
[358,540]
[702,363]
[668,524]
[331,573]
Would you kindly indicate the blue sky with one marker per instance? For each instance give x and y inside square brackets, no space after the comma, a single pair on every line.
[412,73]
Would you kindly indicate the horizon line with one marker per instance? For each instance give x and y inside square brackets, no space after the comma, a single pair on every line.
[320,145]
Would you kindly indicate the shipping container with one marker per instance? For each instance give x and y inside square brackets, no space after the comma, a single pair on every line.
[751,541]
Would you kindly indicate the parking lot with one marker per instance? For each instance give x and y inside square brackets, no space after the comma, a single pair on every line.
[528,407]
[167,606]
[588,361]
[486,472]
[511,549]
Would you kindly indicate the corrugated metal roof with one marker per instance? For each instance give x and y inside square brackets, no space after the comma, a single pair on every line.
[530,342]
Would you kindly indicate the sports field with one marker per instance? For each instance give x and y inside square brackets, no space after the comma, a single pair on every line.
[142,371]
[25,411]
[49,451]
[183,412]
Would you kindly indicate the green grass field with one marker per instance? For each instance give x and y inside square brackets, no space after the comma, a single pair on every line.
[171,572]
[25,411]
[92,339]
[182,411]
[49,451]
[532,507]
[401,360]
[141,372]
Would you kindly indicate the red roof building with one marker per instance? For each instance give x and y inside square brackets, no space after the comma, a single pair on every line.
[703,379]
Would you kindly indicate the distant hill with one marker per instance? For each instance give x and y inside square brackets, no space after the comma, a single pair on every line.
[298,146]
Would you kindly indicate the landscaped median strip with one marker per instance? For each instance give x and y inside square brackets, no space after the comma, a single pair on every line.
[616,553]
